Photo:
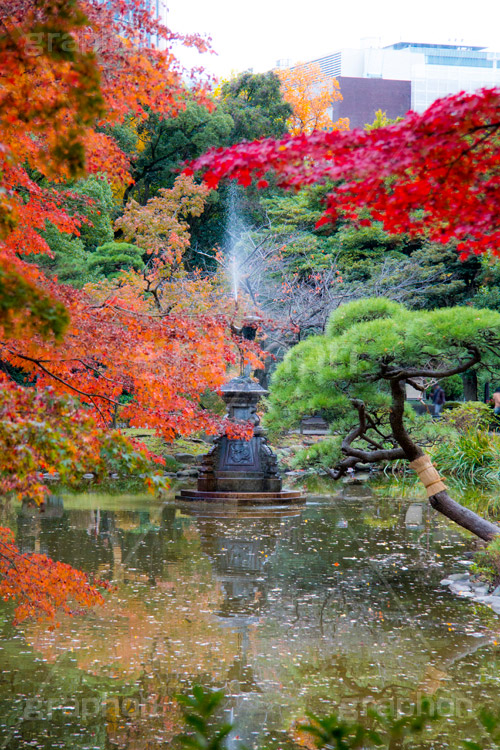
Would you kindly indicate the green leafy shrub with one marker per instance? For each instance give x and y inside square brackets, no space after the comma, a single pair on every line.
[471,415]
[171,464]
[473,456]
[449,405]
[386,731]
[428,431]
[487,561]
[487,297]
[324,454]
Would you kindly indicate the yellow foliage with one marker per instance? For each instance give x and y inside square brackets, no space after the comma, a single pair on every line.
[311,95]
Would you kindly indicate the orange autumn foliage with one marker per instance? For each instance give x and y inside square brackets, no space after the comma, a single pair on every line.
[68,68]
[41,587]
[160,335]
[41,431]
[311,95]
[160,227]
[68,64]
[126,338]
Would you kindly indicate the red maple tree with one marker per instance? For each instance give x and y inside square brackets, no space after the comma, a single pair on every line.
[435,174]
[68,68]
[98,68]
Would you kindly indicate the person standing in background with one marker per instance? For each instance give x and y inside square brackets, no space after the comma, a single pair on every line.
[439,399]
[496,402]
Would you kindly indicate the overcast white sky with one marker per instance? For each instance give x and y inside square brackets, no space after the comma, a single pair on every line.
[257,33]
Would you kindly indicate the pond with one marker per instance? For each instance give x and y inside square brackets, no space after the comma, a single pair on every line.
[337,604]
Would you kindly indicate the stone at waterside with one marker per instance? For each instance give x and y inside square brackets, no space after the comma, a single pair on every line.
[187,473]
[462,588]
[187,458]
[455,577]
[469,587]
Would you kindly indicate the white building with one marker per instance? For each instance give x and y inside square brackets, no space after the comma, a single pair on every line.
[433,70]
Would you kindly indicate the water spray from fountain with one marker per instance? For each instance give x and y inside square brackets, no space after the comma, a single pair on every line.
[234,247]
[234,277]
[235,231]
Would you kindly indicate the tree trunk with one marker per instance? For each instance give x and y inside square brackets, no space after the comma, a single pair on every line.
[470,385]
[441,501]
[466,518]
[487,392]
[128,193]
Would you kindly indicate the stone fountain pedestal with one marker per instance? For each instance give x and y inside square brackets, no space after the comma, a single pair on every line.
[241,471]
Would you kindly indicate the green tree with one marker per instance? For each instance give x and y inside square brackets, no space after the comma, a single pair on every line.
[453,281]
[91,199]
[248,106]
[94,200]
[160,144]
[113,257]
[70,259]
[381,121]
[418,272]
[488,283]
[256,105]
[356,375]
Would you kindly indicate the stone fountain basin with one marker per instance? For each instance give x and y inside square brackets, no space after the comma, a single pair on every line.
[243,498]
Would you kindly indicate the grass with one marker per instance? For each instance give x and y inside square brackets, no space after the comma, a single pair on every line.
[158,446]
[472,456]
[487,561]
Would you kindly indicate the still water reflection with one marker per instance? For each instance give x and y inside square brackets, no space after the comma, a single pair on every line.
[337,604]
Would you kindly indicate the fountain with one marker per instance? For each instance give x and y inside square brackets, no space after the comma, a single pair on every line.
[242,471]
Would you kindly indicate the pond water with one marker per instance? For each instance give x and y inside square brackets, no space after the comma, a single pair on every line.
[334,605]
